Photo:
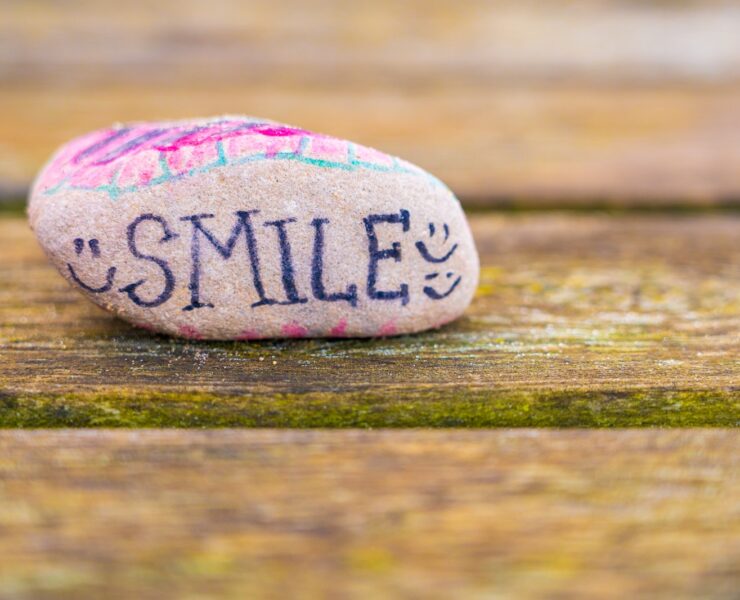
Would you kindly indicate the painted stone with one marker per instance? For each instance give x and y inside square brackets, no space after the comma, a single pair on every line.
[242,228]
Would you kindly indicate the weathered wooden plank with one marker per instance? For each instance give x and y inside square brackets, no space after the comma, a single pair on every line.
[495,146]
[370,41]
[521,514]
[510,102]
[579,320]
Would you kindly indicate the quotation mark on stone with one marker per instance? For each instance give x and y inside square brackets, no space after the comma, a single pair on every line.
[445,253]
[94,246]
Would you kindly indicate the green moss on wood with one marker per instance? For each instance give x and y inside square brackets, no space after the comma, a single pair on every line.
[467,408]
[12,207]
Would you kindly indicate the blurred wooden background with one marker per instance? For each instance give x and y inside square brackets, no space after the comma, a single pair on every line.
[581,320]
[510,102]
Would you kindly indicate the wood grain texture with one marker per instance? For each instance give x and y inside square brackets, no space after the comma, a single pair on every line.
[268,514]
[580,320]
[523,103]
[333,42]
[520,146]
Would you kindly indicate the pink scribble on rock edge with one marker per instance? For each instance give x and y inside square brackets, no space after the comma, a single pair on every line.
[388,328]
[294,330]
[190,332]
[339,329]
[121,159]
[281,131]
[249,335]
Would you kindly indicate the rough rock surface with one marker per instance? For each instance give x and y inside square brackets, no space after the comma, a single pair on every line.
[242,228]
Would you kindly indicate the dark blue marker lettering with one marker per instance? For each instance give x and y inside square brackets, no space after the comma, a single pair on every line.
[377,255]
[79,245]
[435,295]
[95,290]
[129,146]
[244,223]
[317,270]
[169,278]
[100,145]
[427,256]
[286,262]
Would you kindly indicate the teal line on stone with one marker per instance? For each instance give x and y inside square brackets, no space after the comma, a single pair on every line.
[53,190]
[222,160]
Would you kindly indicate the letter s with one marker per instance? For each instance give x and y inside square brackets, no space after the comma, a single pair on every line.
[169,278]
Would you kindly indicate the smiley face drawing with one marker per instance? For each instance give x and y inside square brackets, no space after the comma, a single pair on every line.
[446,253]
[94,246]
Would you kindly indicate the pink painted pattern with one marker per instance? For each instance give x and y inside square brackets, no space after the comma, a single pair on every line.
[190,332]
[294,330]
[123,159]
[388,328]
[339,329]
[249,335]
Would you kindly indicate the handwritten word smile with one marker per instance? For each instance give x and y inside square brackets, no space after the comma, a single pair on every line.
[243,234]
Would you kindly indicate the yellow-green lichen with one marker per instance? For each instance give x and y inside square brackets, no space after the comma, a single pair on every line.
[463,408]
